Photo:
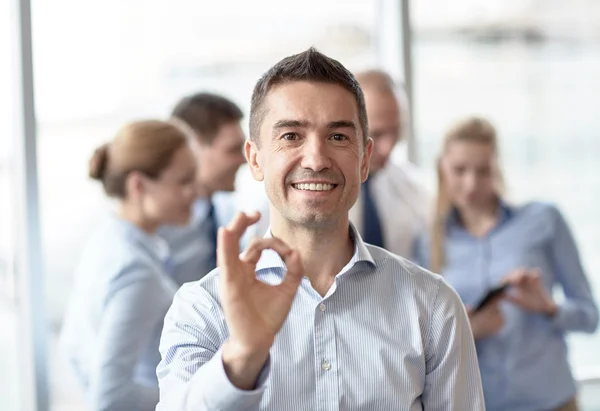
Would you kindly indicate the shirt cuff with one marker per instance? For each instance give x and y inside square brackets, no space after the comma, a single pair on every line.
[216,392]
[562,317]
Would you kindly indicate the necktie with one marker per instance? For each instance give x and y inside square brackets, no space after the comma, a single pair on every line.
[371,223]
[212,233]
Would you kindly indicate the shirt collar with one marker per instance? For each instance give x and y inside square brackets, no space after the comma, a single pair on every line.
[155,244]
[270,258]
[200,209]
[505,211]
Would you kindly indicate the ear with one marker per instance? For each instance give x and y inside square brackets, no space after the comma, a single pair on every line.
[366,160]
[251,152]
[134,184]
[199,148]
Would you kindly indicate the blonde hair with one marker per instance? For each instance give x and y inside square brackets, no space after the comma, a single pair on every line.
[475,130]
[144,146]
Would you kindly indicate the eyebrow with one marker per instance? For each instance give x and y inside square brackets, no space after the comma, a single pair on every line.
[305,124]
[342,124]
[291,124]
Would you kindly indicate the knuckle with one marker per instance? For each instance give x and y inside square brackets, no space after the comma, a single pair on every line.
[252,244]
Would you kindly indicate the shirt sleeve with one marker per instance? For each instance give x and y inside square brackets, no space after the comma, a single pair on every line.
[191,374]
[133,312]
[452,380]
[578,312]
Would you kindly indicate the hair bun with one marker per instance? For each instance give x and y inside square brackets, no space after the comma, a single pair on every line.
[98,162]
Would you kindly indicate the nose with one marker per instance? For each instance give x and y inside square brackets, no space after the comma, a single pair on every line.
[470,182]
[241,158]
[385,144]
[315,156]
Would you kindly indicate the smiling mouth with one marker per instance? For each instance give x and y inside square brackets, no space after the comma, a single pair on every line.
[314,187]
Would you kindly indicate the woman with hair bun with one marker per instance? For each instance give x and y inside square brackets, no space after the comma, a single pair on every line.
[123,288]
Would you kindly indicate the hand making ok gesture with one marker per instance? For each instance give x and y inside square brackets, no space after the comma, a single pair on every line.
[254,310]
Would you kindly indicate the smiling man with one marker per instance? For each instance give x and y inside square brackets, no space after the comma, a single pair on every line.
[319,320]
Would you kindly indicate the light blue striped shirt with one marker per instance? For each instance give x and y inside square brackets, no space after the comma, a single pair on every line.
[114,319]
[388,335]
[524,367]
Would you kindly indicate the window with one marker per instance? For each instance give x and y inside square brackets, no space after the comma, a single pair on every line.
[11,387]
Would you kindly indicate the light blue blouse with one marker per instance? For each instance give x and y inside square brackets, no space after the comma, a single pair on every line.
[115,315]
[525,366]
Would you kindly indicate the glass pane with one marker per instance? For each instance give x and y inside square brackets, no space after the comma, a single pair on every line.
[589,396]
[132,59]
[9,342]
[532,68]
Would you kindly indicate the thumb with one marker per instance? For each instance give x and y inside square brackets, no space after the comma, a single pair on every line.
[469,309]
[513,298]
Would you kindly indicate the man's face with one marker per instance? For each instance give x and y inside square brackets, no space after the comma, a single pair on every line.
[385,125]
[311,154]
[219,161]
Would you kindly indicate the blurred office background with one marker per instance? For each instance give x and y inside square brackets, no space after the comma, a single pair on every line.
[533,67]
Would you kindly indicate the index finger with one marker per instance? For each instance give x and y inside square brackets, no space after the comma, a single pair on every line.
[228,239]
[257,245]
[228,247]
[241,222]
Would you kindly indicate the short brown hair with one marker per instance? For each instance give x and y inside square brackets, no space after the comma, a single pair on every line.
[206,113]
[312,66]
[144,146]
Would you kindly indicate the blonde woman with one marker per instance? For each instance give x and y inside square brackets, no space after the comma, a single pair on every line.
[123,285]
[478,242]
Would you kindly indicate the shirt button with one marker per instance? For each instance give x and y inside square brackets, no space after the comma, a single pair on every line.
[322,307]
[325,365]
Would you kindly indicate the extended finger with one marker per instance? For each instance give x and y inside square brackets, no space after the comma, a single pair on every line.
[228,248]
[241,222]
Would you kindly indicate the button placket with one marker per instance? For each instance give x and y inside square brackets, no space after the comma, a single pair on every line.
[325,358]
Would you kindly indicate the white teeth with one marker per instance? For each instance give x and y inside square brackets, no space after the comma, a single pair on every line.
[314,187]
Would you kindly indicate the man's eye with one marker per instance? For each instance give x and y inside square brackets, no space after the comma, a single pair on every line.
[290,136]
[339,137]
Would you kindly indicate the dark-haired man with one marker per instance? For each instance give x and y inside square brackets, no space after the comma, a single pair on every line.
[393,207]
[310,317]
[218,146]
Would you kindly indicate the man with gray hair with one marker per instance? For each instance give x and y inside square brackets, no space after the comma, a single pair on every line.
[393,206]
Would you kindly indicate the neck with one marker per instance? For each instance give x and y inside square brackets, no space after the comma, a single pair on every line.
[479,220]
[202,191]
[324,251]
[132,215]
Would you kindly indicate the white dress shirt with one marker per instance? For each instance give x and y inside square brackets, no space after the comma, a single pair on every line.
[388,335]
[402,203]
